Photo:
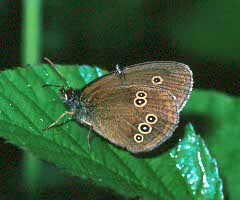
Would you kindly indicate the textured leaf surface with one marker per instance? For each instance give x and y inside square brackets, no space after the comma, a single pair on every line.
[185,172]
[218,117]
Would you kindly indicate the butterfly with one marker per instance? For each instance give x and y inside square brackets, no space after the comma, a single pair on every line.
[136,108]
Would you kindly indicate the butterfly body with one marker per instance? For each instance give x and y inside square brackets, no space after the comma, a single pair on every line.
[136,108]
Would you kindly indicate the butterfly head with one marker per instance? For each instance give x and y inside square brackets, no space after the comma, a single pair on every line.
[70,97]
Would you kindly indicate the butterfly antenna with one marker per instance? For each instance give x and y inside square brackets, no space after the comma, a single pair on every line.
[51,86]
[51,63]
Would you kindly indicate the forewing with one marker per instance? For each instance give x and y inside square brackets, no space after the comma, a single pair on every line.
[176,78]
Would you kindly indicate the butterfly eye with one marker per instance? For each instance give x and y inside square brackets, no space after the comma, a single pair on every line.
[144,128]
[151,119]
[138,138]
[157,80]
[140,102]
[141,94]
[66,96]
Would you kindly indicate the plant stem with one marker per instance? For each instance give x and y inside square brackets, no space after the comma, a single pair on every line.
[32,32]
[31,54]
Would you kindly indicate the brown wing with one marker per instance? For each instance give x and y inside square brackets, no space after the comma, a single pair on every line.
[176,78]
[134,117]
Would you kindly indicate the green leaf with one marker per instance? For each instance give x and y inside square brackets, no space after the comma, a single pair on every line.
[217,116]
[196,165]
[185,172]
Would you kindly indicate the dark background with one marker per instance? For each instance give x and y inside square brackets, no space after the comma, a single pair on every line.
[203,34]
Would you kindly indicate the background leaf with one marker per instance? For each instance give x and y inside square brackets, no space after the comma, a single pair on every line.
[217,117]
[186,172]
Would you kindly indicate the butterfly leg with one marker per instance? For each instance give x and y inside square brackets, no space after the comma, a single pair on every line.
[53,124]
[89,139]
[89,134]
[120,73]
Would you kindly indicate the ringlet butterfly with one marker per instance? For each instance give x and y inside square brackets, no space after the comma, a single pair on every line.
[136,108]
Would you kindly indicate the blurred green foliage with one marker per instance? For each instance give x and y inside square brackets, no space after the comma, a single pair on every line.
[202,34]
